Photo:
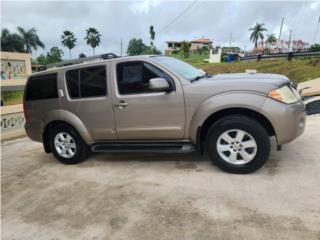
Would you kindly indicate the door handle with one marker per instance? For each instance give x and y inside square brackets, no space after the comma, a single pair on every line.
[121,104]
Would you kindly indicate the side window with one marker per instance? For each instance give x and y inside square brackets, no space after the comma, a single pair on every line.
[133,77]
[87,82]
[42,87]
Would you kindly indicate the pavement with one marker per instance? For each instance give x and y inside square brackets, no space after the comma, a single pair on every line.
[160,196]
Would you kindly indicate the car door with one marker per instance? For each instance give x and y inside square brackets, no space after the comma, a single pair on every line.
[89,98]
[140,113]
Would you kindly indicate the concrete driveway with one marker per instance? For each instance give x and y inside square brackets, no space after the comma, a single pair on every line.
[159,196]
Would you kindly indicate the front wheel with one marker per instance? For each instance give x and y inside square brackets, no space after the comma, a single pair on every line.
[238,144]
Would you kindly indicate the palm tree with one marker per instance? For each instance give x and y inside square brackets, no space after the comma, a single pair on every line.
[93,38]
[256,33]
[30,39]
[11,42]
[271,38]
[68,40]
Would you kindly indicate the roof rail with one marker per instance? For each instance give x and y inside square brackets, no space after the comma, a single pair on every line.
[82,60]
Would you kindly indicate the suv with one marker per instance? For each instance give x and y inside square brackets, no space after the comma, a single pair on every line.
[160,104]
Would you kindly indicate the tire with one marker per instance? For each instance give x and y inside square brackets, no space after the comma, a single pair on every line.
[75,143]
[234,156]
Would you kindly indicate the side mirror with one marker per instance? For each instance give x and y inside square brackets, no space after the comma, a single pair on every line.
[159,84]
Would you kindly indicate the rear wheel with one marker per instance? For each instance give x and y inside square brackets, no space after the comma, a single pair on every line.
[238,144]
[67,145]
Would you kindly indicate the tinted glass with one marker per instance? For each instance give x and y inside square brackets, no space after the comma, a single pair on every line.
[93,82]
[87,82]
[133,77]
[42,87]
[73,83]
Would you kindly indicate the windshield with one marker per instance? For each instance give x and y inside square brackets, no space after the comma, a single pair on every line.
[181,68]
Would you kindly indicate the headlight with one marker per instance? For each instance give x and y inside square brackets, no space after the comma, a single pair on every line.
[284,94]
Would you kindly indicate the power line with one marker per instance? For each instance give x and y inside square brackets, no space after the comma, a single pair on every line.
[179,16]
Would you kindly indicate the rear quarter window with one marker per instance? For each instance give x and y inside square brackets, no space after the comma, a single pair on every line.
[42,87]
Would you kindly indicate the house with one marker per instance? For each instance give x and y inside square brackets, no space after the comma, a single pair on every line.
[285,46]
[200,43]
[173,46]
[194,45]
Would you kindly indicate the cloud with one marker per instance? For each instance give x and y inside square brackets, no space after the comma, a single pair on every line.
[124,20]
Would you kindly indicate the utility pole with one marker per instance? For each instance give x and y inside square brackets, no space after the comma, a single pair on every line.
[316,33]
[121,48]
[230,42]
[281,29]
[289,45]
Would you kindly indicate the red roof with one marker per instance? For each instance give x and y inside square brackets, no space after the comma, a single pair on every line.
[201,40]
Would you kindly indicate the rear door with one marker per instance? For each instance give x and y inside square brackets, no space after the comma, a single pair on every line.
[89,98]
[140,113]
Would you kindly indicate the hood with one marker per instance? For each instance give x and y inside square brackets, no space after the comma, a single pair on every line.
[257,78]
[257,82]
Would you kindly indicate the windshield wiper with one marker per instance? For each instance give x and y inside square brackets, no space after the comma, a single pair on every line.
[201,76]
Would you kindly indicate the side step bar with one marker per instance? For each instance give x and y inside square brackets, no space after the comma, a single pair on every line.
[160,147]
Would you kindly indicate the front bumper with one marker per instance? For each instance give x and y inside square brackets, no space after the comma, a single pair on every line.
[288,120]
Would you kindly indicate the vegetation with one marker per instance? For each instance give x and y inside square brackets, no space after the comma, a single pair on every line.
[68,40]
[12,97]
[93,38]
[185,48]
[271,38]
[315,47]
[152,36]
[23,41]
[256,33]
[82,55]
[54,55]
[138,47]
[30,39]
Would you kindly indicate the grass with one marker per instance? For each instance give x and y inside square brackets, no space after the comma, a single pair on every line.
[12,97]
[297,70]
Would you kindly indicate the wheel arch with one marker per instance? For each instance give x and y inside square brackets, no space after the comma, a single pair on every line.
[61,116]
[211,119]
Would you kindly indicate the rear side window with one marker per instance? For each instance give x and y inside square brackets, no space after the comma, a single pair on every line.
[42,87]
[87,82]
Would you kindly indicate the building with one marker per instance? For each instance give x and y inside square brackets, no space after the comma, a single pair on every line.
[284,46]
[200,43]
[194,45]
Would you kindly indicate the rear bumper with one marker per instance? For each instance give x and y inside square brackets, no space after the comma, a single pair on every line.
[33,132]
[288,120]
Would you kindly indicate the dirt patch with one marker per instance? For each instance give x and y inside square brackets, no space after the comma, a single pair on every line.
[185,165]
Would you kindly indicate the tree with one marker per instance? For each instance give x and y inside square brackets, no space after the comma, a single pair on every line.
[93,38]
[185,48]
[53,56]
[271,38]
[82,55]
[11,42]
[315,47]
[30,39]
[256,33]
[136,47]
[151,50]
[68,40]
[152,36]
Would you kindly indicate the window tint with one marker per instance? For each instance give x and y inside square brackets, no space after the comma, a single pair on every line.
[87,82]
[42,87]
[133,77]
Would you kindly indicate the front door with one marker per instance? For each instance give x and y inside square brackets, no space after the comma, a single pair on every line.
[143,114]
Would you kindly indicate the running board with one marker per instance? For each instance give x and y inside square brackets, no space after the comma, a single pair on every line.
[160,147]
